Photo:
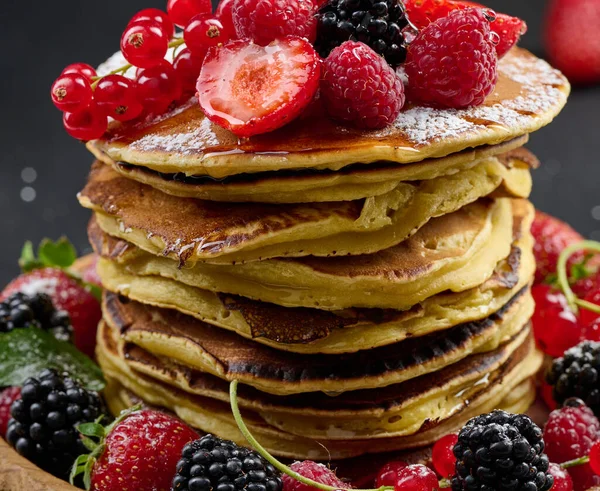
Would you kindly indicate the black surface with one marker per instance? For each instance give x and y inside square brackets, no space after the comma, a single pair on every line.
[40,38]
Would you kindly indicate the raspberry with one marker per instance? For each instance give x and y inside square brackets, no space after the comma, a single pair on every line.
[453,62]
[7,397]
[314,471]
[359,87]
[265,21]
[569,434]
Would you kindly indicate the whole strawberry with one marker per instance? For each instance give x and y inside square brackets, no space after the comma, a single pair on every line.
[453,62]
[573,39]
[68,295]
[551,236]
[360,88]
[139,451]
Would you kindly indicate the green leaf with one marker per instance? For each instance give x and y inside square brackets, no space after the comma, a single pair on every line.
[25,353]
[28,262]
[59,254]
[92,429]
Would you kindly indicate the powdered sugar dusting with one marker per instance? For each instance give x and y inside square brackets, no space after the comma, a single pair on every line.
[184,143]
[40,285]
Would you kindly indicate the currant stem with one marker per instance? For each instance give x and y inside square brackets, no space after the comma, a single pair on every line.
[272,460]
[563,277]
[576,462]
[445,484]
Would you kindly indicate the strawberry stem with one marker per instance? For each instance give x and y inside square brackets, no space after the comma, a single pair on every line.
[563,279]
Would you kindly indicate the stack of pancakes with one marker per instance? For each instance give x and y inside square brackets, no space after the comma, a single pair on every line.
[369,290]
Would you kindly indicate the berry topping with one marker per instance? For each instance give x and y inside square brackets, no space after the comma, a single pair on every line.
[144,45]
[595,458]
[501,451]
[68,295]
[156,16]
[424,12]
[551,236]
[576,374]
[562,479]
[555,326]
[224,13]
[453,62]
[314,471]
[250,89]
[388,475]
[24,311]
[187,67]
[360,88]
[42,428]
[72,92]
[214,464]
[589,317]
[379,24]
[569,434]
[265,21]
[203,32]
[443,457]
[158,87]
[141,447]
[81,69]
[416,478]
[7,397]
[181,11]
[117,97]
[85,125]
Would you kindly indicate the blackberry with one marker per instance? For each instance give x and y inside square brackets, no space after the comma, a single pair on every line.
[501,451]
[379,24]
[43,421]
[212,464]
[576,374]
[22,311]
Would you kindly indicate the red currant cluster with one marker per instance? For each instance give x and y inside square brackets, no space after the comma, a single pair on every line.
[88,100]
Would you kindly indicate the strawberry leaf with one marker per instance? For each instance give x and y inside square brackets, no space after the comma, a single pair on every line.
[59,254]
[28,261]
[25,353]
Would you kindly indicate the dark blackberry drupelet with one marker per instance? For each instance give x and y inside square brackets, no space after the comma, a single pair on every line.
[378,23]
[576,374]
[23,311]
[43,421]
[501,451]
[212,464]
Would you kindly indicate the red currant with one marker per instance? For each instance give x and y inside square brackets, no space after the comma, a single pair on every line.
[144,45]
[562,479]
[155,16]
[416,478]
[595,458]
[82,69]
[555,326]
[225,15]
[181,11]
[158,87]
[85,125]
[188,66]
[72,92]
[443,457]
[587,316]
[592,331]
[388,475]
[203,32]
[117,97]
[546,393]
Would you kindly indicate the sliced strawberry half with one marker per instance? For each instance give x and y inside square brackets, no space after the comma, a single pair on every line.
[251,89]
[423,12]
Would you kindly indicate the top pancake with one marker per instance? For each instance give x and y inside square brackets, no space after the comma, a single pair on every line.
[529,94]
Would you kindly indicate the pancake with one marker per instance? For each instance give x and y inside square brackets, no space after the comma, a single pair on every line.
[529,94]
[303,330]
[211,415]
[310,186]
[195,230]
[184,340]
[456,252]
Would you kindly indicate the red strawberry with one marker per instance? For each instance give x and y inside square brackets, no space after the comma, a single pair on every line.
[141,452]
[424,12]
[573,39]
[552,236]
[68,295]
[250,89]
[7,397]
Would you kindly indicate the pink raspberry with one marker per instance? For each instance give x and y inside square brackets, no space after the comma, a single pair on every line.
[360,88]
[453,62]
[264,21]
[569,434]
[7,397]
[314,471]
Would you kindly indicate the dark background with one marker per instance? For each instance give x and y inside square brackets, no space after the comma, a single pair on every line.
[39,38]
